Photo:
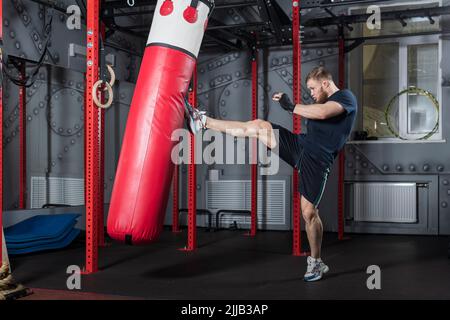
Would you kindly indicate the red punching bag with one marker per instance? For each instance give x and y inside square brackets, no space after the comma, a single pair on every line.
[144,173]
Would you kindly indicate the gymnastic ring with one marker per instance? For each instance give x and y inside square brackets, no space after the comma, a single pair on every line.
[110,95]
[112,75]
[130,3]
[421,92]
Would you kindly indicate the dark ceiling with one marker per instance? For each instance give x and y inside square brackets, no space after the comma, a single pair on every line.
[242,24]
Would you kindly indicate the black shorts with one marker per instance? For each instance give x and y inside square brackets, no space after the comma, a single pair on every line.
[313,172]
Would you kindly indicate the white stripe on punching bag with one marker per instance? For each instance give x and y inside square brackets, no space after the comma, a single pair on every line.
[179,25]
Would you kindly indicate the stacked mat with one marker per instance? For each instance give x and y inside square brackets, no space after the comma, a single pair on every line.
[42,232]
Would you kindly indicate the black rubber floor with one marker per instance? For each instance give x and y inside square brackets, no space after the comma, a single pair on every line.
[228,265]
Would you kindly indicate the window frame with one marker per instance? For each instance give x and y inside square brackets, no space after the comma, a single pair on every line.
[403,85]
[403,42]
[357,81]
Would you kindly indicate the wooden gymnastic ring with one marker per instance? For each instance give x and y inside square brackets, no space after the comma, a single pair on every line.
[110,95]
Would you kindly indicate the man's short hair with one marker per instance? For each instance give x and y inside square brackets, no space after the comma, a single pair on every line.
[319,74]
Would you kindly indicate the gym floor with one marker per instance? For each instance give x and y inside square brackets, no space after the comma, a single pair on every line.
[229,265]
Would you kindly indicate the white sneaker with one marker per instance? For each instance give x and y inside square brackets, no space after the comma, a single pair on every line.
[315,269]
[196,120]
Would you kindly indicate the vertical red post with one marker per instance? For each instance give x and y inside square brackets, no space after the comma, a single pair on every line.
[254,145]
[1,135]
[22,140]
[101,196]
[342,153]
[176,205]
[192,181]
[297,125]
[92,158]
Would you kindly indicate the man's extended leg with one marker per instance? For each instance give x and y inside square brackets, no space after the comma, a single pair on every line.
[254,129]
[260,129]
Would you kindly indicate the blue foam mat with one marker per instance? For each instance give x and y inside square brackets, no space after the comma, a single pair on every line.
[49,246]
[21,245]
[40,227]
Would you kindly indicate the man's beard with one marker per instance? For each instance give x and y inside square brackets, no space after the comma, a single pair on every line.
[322,98]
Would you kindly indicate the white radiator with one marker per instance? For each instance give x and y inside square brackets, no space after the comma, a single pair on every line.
[56,190]
[236,194]
[385,202]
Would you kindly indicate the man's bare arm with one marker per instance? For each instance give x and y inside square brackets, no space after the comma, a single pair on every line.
[319,111]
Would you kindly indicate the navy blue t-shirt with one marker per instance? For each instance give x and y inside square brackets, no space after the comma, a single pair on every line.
[325,138]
